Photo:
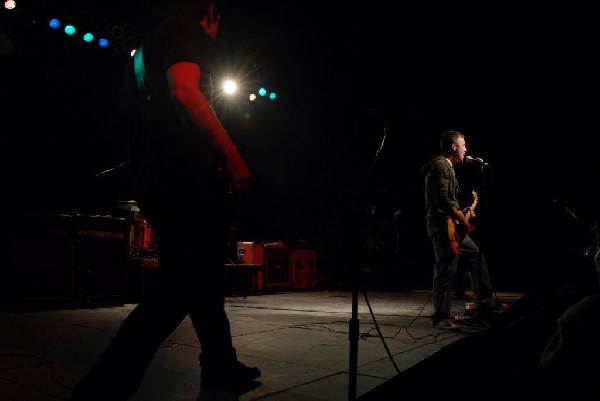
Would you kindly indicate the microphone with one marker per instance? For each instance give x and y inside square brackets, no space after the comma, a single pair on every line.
[479,160]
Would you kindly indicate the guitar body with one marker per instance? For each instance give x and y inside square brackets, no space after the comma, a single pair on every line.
[456,231]
[454,235]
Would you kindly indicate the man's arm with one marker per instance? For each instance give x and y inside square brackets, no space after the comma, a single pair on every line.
[446,204]
[184,81]
[463,218]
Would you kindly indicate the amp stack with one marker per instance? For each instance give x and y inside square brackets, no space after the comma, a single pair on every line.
[62,257]
[277,265]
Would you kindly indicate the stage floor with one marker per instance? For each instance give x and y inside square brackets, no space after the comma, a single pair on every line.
[299,339]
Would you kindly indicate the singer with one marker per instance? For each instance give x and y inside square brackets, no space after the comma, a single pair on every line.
[448,224]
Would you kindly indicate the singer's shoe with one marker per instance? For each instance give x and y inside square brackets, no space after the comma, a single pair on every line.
[445,324]
[462,296]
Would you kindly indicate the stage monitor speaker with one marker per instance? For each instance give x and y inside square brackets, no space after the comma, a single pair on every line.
[102,256]
[43,263]
[277,266]
[304,268]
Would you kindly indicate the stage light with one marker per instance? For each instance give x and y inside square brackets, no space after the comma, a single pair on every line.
[263,92]
[229,86]
[70,30]
[117,32]
[94,28]
[102,24]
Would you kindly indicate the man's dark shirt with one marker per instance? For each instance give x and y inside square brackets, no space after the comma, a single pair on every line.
[441,192]
[168,153]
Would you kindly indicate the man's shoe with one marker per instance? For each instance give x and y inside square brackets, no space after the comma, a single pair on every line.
[237,378]
[445,324]
[439,316]
[462,296]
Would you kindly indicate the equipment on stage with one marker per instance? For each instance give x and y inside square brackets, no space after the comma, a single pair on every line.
[128,205]
[142,240]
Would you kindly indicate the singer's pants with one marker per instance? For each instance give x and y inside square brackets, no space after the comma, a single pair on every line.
[444,271]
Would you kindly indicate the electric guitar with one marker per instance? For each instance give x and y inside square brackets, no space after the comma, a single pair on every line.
[456,230]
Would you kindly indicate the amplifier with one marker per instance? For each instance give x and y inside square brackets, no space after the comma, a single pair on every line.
[59,256]
[277,266]
[102,256]
[44,258]
[100,234]
[304,268]
[250,253]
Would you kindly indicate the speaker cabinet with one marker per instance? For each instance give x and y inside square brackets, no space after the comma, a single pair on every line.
[304,268]
[277,266]
[59,256]
[101,256]
[43,263]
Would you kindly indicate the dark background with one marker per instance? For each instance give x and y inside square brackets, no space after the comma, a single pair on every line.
[364,93]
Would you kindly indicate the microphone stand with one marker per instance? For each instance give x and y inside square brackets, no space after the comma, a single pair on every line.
[354,325]
[110,170]
[482,240]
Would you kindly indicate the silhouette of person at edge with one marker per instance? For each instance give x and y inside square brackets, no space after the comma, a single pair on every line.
[185,172]
[553,332]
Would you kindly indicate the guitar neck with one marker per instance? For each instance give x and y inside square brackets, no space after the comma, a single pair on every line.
[472,207]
